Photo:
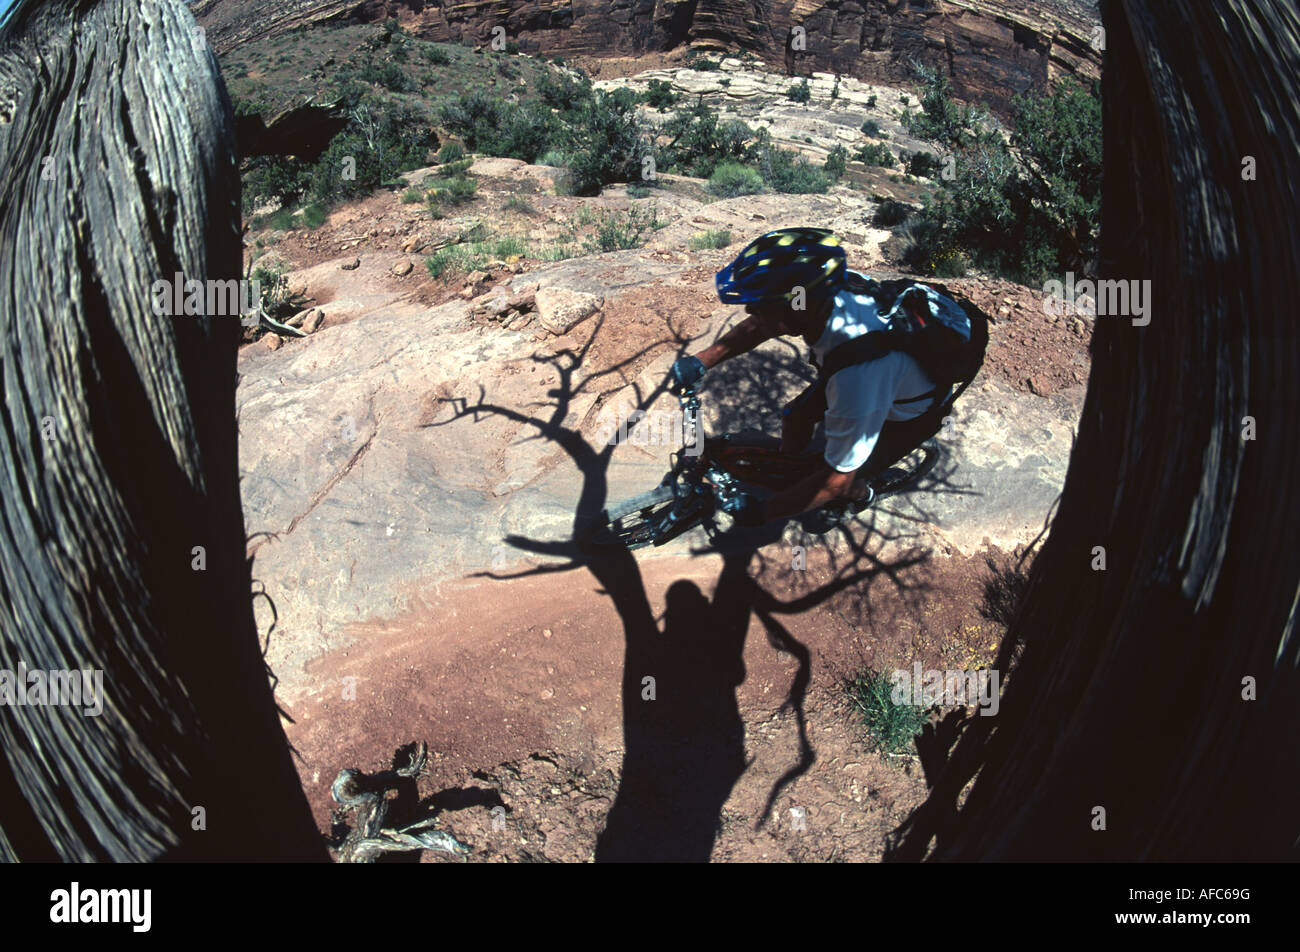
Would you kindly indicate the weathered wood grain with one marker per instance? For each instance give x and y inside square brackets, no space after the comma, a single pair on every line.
[118,452]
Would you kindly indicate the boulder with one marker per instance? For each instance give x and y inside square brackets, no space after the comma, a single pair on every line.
[559,310]
[315,317]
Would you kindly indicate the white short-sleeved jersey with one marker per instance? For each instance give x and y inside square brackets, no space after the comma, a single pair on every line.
[860,398]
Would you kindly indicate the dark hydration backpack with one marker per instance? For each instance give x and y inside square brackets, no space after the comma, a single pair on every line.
[946,337]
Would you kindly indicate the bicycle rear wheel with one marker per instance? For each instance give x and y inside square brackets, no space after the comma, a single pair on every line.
[634,522]
[908,471]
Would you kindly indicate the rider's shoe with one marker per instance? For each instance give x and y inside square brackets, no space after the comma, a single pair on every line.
[863,502]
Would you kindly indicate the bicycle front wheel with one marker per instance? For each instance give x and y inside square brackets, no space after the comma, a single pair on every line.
[634,522]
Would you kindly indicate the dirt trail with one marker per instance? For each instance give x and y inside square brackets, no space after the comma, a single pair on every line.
[407,459]
[523,710]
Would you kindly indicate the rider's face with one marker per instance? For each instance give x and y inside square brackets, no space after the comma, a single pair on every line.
[789,320]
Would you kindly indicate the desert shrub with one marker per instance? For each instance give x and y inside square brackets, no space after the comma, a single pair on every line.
[710,239]
[891,727]
[876,154]
[890,213]
[453,191]
[451,152]
[411,195]
[313,216]
[700,141]
[799,92]
[454,169]
[607,142]
[786,171]
[388,75]
[381,141]
[552,157]
[435,55]
[517,203]
[659,95]
[563,92]
[836,162]
[620,232]
[871,128]
[1024,209]
[923,164]
[492,126]
[730,179]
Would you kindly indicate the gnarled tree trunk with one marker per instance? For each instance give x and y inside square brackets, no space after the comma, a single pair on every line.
[118,456]
[1130,693]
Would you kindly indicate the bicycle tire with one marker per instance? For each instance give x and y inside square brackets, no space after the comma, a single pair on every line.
[639,533]
[895,479]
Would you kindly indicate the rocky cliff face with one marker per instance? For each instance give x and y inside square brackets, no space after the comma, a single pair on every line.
[990,49]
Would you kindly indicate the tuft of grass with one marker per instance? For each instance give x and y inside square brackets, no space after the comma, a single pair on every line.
[473,255]
[411,195]
[517,203]
[623,232]
[451,152]
[454,169]
[558,252]
[710,239]
[313,216]
[452,191]
[890,726]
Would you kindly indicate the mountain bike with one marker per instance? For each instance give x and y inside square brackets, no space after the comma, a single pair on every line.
[709,478]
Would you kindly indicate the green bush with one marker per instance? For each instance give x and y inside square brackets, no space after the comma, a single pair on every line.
[1024,209]
[607,143]
[730,179]
[454,169]
[564,92]
[451,152]
[381,141]
[710,239]
[493,126]
[553,157]
[836,162]
[313,216]
[890,213]
[388,75]
[799,92]
[871,128]
[876,154]
[411,195]
[871,101]
[890,726]
[453,191]
[659,95]
[923,164]
[786,171]
[699,141]
[705,65]
[435,55]
[623,232]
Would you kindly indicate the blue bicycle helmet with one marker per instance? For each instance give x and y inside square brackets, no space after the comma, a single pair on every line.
[772,265]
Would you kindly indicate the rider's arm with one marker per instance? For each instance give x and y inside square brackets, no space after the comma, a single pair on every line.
[816,489]
[745,336]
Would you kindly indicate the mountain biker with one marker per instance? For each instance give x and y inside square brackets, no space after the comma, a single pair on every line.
[866,405]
